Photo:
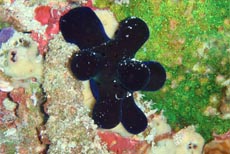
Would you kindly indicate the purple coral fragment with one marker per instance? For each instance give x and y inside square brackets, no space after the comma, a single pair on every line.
[6,34]
[108,64]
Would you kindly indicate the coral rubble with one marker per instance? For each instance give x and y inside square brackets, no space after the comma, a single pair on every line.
[67,113]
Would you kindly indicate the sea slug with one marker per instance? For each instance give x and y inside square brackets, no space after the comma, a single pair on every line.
[109,65]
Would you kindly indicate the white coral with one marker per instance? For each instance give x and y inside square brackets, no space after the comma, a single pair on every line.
[188,141]
[5,86]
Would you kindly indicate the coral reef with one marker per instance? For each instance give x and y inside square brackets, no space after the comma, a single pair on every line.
[191,38]
[157,139]
[20,121]
[21,95]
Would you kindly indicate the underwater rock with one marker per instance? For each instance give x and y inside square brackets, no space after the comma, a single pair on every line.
[67,114]
[20,121]
[109,66]
[217,147]
[19,15]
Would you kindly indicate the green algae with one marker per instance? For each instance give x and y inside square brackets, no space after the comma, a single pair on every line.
[179,30]
[3,24]
[10,148]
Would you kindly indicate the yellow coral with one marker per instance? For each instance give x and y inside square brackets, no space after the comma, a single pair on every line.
[22,60]
[25,65]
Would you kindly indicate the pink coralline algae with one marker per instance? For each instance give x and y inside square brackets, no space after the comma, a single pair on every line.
[19,95]
[222,136]
[42,42]
[3,95]
[42,14]
[50,17]
[7,118]
[121,145]
[26,121]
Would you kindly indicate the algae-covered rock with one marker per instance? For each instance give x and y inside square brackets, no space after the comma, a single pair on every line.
[67,114]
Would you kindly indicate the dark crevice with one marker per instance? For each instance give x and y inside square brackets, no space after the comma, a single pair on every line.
[17,105]
[43,100]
